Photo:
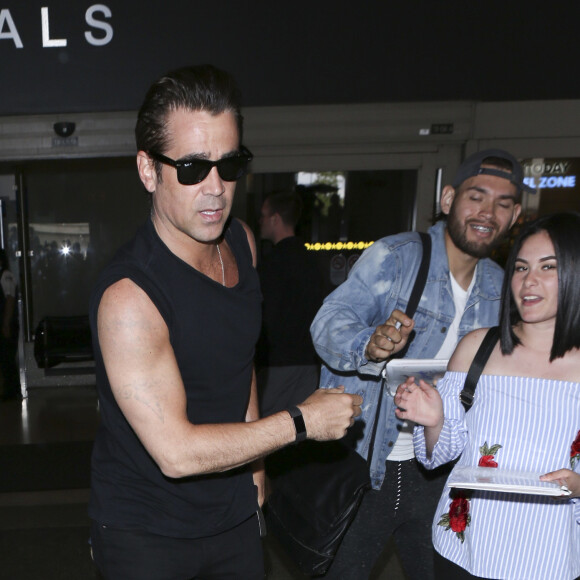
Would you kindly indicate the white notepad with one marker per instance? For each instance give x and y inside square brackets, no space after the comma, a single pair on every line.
[494,479]
[399,370]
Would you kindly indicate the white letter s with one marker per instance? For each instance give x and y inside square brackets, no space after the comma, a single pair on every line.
[106,27]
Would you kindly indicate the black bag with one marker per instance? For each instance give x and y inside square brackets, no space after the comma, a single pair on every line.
[318,486]
[315,500]
[60,339]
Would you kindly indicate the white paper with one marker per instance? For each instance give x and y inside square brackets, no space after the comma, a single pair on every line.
[494,479]
[399,370]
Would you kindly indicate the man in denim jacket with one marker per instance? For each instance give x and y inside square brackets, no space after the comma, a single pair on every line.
[355,335]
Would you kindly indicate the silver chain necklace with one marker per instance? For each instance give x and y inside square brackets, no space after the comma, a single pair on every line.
[222,265]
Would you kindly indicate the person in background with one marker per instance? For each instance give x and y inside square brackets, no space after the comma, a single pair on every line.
[9,374]
[525,417]
[288,368]
[177,477]
[355,333]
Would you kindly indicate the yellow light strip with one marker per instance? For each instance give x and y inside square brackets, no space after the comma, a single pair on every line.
[334,246]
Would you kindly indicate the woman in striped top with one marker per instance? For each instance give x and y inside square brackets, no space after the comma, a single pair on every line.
[525,417]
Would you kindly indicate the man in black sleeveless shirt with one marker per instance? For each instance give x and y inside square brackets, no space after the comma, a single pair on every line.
[177,476]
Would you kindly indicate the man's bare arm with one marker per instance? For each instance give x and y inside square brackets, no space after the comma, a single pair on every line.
[147,385]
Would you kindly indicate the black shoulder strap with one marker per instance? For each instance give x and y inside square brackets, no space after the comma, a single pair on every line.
[477,366]
[416,293]
[421,278]
[420,281]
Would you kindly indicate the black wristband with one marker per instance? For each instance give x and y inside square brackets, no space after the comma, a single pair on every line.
[299,424]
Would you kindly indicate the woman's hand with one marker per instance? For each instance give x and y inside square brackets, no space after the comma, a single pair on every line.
[419,403]
[566,477]
[422,404]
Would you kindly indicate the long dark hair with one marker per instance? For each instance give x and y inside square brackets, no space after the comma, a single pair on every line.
[564,231]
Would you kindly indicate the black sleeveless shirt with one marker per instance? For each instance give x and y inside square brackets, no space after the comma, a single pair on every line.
[213,331]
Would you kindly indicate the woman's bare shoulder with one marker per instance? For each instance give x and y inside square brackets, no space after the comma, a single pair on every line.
[465,351]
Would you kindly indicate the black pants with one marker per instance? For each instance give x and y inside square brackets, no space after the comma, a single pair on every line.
[403,508]
[447,570]
[137,555]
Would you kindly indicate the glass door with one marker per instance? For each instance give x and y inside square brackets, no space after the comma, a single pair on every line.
[11,252]
[343,211]
[78,213]
[65,222]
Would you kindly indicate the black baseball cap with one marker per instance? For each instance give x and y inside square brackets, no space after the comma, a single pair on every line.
[472,166]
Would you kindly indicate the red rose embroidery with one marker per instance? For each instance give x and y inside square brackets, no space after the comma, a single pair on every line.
[458,514]
[487,458]
[575,451]
[458,517]
[487,461]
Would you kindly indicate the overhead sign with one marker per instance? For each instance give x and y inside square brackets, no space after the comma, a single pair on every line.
[550,173]
[63,56]
[98,32]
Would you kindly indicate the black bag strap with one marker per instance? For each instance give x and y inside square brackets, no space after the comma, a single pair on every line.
[421,278]
[416,294]
[420,282]
[479,361]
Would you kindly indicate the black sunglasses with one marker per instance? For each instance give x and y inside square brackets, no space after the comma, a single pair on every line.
[196,170]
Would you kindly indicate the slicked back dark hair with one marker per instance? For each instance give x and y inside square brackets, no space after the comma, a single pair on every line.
[193,88]
[564,231]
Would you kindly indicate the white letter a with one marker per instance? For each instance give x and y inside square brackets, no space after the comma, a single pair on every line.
[6,18]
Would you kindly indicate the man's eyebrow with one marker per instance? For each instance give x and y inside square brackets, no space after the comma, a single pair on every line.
[205,156]
[193,157]
[484,190]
